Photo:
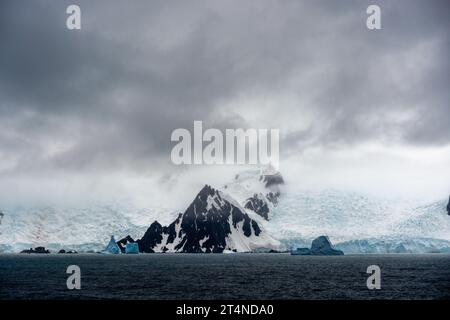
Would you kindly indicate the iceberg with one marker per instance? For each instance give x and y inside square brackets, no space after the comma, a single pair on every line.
[320,246]
[132,248]
[112,247]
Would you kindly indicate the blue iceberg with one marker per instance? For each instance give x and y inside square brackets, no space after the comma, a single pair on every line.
[112,247]
[320,246]
[132,248]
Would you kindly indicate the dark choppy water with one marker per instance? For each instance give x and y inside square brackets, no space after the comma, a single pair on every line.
[233,276]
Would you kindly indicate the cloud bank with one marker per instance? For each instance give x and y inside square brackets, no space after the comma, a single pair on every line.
[103,100]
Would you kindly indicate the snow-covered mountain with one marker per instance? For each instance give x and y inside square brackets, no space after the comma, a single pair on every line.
[257,190]
[213,222]
[229,219]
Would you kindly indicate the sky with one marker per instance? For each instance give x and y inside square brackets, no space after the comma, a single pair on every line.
[89,113]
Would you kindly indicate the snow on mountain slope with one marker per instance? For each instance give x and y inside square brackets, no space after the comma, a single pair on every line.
[257,190]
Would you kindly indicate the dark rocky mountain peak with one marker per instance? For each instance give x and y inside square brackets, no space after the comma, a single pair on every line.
[207,225]
[258,204]
[151,238]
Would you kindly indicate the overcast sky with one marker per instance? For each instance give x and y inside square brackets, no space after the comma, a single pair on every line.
[357,109]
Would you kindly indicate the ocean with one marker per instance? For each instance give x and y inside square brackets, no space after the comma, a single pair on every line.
[224,276]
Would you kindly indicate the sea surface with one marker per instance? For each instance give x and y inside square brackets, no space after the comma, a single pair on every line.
[224,276]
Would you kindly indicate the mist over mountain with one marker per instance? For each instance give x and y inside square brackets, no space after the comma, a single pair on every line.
[255,210]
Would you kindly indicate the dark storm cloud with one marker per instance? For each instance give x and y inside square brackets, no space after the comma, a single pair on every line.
[109,96]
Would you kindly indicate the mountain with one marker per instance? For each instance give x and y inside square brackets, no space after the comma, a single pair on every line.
[258,204]
[448,206]
[261,200]
[259,190]
[153,237]
[212,223]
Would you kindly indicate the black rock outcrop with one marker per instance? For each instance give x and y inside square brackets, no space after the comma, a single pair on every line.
[272,179]
[36,250]
[273,197]
[122,243]
[62,251]
[448,206]
[258,204]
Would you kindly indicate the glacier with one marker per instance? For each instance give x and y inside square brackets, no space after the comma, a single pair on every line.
[354,222]
[84,229]
[360,224]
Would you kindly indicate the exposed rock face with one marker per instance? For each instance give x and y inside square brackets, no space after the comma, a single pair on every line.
[273,197]
[151,238]
[258,204]
[62,251]
[448,206]
[122,243]
[272,182]
[212,223]
[256,188]
[320,246]
[211,217]
[274,179]
[36,250]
